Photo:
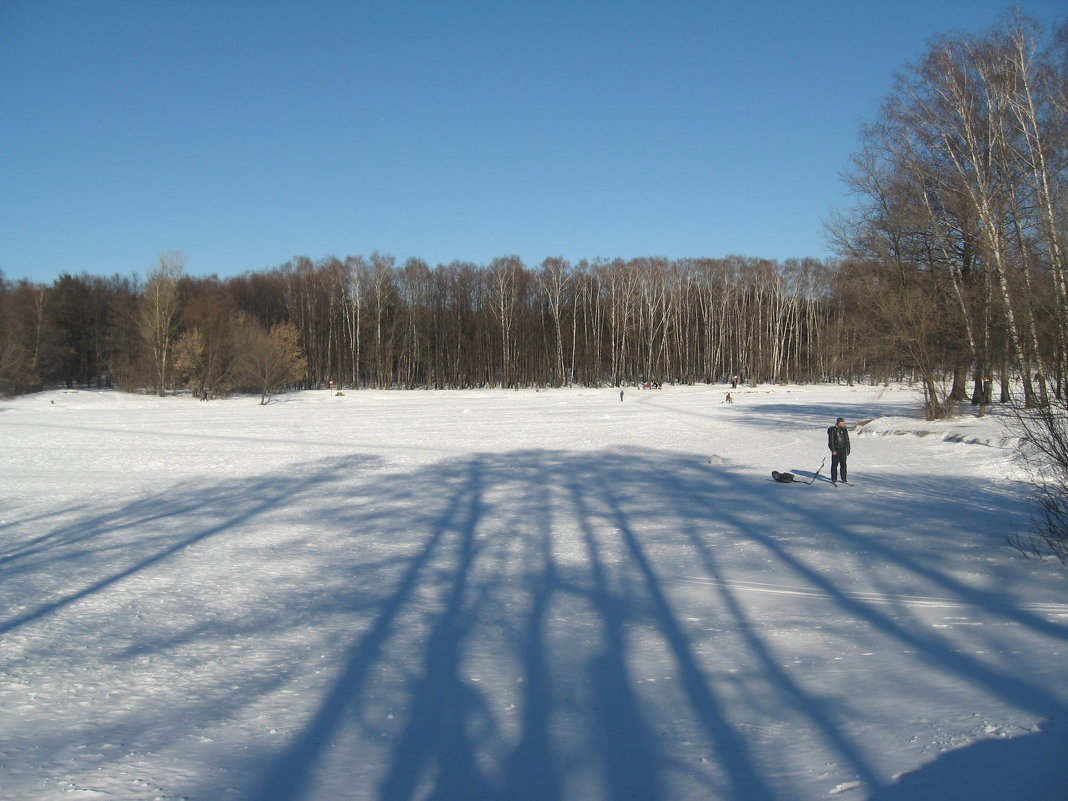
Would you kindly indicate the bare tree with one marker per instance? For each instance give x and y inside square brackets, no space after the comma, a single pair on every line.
[554,276]
[266,361]
[160,305]
[504,281]
[1044,433]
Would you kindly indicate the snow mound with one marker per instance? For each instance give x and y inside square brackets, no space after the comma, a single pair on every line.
[989,431]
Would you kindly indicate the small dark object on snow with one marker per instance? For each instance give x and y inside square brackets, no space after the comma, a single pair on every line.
[790,478]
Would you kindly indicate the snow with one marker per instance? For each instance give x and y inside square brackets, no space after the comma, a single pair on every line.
[523,596]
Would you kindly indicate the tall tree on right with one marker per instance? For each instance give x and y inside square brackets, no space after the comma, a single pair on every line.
[962,189]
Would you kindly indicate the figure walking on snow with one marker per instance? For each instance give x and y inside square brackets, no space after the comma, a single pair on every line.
[838,443]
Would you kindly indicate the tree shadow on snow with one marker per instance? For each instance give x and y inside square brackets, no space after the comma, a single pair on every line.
[1030,767]
[520,536]
[100,547]
[535,626]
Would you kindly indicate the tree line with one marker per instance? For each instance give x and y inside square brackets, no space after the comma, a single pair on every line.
[370,322]
[950,271]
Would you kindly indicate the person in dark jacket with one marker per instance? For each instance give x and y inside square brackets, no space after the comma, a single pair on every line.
[838,443]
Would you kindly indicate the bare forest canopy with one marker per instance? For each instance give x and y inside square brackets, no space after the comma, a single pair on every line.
[951,271]
[369,322]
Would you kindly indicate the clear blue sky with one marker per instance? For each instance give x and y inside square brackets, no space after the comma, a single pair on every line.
[246,133]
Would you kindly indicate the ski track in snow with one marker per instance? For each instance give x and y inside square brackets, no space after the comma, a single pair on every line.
[521,596]
[867,597]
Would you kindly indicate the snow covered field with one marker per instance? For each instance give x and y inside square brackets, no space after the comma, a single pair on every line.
[520,596]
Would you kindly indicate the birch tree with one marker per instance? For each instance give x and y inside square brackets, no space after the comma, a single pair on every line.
[554,276]
[160,306]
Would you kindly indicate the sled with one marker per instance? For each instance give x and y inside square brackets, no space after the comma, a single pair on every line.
[790,478]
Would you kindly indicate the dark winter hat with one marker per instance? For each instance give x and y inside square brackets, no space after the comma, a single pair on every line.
[840,420]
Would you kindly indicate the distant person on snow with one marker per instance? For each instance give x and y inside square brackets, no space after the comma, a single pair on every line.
[838,443]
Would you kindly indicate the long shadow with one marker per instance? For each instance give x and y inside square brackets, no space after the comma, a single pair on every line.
[227,507]
[531,768]
[946,506]
[943,504]
[819,417]
[631,762]
[293,769]
[423,572]
[819,711]
[437,734]
[938,652]
[731,749]
[759,410]
[436,755]
[44,542]
[1031,767]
